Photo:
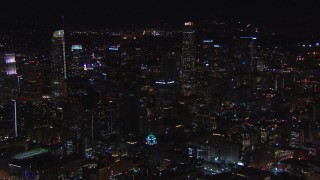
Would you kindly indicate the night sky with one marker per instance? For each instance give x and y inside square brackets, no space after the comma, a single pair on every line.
[120,12]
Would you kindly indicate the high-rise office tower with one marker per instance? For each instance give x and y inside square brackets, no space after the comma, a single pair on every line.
[31,86]
[8,90]
[213,56]
[9,64]
[253,60]
[207,54]
[75,65]
[58,63]
[168,66]
[75,72]
[166,83]
[243,65]
[188,58]
[245,56]
[128,110]
[8,79]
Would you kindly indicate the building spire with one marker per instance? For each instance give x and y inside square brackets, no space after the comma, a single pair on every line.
[64,50]
[62,18]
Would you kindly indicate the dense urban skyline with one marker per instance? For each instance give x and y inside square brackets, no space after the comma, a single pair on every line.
[160,90]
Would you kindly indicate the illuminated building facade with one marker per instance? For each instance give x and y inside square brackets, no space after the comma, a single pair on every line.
[8,79]
[76,72]
[188,58]
[75,68]
[58,63]
[9,64]
[151,140]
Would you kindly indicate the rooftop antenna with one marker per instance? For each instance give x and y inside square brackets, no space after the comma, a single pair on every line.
[62,18]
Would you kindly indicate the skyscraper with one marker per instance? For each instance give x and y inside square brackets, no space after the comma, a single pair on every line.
[165,86]
[75,71]
[168,66]
[8,79]
[244,52]
[188,58]
[9,64]
[58,63]
[75,65]
[31,87]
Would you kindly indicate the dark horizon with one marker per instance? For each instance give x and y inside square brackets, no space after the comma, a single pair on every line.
[119,13]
